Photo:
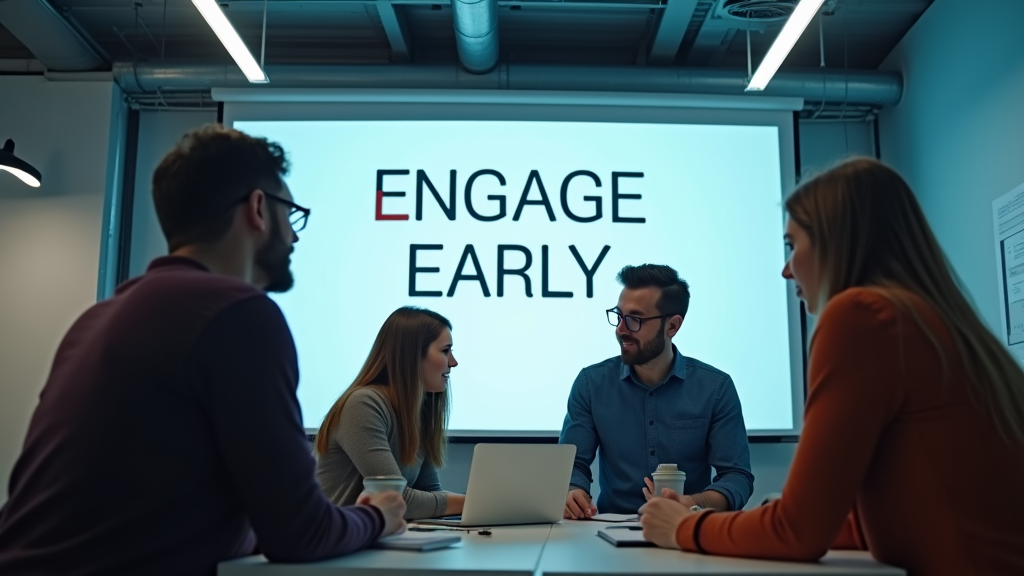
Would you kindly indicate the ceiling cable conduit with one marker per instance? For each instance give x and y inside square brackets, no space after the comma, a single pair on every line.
[868,87]
[476,33]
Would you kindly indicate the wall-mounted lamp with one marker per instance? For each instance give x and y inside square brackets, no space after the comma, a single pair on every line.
[23,170]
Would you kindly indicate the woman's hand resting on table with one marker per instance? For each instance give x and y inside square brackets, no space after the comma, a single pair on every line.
[661,517]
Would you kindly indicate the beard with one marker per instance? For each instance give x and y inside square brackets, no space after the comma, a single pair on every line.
[273,258]
[645,352]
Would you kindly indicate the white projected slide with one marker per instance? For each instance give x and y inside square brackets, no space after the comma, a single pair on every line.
[515,232]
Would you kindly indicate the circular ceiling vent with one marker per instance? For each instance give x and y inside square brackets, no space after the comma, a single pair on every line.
[759,10]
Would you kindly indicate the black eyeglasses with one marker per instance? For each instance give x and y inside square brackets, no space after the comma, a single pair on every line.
[298,215]
[633,323]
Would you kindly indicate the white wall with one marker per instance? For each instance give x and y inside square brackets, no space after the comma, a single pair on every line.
[159,132]
[50,237]
[824,143]
[958,134]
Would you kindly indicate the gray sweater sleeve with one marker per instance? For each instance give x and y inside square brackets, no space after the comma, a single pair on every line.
[363,433]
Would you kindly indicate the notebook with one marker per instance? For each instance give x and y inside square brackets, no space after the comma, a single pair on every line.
[624,536]
[418,541]
[609,517]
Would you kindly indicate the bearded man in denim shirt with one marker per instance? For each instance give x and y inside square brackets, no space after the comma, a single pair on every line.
[651,405]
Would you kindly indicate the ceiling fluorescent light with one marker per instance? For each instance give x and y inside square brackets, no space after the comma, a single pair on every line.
[230,39]
[794,27]
[21,169]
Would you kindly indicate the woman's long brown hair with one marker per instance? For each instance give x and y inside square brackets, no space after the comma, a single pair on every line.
[868,230]
[394,365]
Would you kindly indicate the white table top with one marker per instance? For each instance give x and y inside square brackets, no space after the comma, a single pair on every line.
[509,551]
[567,548]
[574,548]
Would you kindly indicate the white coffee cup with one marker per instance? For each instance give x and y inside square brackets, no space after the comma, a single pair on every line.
[374,484]
[669,476]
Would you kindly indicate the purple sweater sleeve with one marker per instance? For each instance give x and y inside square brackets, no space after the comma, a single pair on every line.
[248,373]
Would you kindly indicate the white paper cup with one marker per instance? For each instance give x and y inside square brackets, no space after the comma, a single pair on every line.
[374,484]
[669,476]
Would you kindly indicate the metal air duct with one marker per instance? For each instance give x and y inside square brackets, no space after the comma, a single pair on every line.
[872,88]
[476,33]
[48,36]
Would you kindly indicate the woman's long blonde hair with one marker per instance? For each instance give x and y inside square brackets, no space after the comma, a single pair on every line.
[868,230]
[395,365]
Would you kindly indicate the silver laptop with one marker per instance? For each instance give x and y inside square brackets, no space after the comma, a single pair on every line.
[515,484]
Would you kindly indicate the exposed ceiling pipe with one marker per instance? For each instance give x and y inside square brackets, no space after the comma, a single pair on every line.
[48,36]
[476,33]
[872,88]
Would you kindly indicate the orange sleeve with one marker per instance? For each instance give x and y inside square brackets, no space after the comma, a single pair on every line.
[854,391]
[850,536]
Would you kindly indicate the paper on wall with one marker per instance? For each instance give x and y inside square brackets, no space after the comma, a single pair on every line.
[1008,223]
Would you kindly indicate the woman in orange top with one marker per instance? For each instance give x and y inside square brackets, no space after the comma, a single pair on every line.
[913,438]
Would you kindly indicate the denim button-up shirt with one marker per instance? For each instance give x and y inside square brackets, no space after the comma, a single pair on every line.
[692,419]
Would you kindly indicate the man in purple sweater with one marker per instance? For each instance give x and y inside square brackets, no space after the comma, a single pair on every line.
[168,437]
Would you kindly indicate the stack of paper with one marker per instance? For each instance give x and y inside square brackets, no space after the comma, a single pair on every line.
[622,536]
[418,541]
[615,517]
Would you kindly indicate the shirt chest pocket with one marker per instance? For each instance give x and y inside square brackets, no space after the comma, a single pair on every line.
[689,436]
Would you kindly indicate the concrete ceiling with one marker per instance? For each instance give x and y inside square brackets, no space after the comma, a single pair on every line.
[859,34]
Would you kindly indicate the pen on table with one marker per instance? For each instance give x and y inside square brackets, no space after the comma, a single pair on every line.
[419,528]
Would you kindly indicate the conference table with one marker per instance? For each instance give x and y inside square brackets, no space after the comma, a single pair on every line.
[569,548]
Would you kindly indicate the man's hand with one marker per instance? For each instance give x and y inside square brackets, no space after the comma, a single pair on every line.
[392,506]
[660,518]
[670,494]
[578,505]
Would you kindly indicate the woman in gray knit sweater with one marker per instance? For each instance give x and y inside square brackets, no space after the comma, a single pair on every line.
[392,419]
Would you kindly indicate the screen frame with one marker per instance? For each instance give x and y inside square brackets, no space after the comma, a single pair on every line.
[405,105]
